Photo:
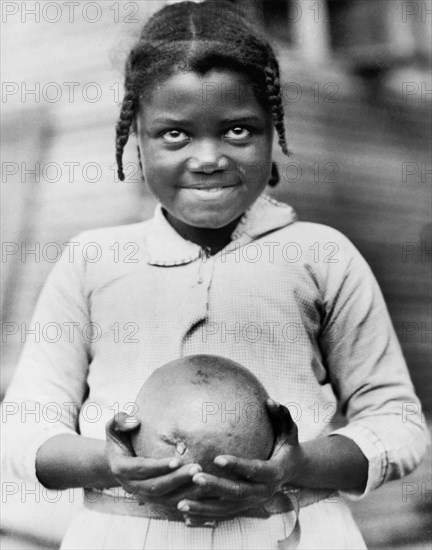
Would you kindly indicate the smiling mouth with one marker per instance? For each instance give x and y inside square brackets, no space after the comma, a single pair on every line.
[208,187]
[215,188]
[211,192]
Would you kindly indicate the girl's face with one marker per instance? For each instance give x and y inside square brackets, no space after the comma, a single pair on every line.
[206,145]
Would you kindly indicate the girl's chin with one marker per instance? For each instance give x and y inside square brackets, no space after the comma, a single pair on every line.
[201,220]
[209,219]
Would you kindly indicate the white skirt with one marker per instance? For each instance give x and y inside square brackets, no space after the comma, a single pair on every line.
[325,525]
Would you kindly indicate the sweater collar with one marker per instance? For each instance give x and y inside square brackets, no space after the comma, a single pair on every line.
[167,248]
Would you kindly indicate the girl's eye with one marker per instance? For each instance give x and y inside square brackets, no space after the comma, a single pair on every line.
[174,136]
[238,132]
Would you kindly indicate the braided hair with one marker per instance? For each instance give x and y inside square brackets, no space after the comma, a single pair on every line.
[198,37]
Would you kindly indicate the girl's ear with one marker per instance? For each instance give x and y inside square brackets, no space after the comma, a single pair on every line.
[274,176]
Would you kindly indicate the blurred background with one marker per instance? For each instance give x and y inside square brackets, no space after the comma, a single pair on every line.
[357,92]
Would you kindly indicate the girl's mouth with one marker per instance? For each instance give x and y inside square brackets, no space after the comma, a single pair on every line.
[210,193]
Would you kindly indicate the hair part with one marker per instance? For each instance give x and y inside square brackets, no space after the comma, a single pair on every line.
[199,37]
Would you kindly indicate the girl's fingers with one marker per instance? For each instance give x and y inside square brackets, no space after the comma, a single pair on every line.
[137,468]
[187,492]
[284,427]
[256,471]
[161,485]
[229,490]
[280,418]
[119,445]
[117,430]
[122,422]
[191,491]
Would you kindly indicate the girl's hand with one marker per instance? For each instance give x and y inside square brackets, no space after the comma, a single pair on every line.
[162,480]
[257,480]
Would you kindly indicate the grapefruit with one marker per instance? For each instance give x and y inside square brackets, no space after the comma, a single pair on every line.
[201,406]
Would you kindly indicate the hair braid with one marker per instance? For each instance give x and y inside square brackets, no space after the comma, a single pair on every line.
[123,128]
[275,100]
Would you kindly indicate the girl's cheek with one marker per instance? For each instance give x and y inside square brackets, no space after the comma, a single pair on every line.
[160,161]
[162,173]
[159,155]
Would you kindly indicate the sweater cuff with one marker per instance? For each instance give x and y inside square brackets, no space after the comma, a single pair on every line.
[375,453]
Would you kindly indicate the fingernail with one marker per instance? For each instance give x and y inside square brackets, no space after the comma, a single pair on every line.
[199,479]
[220,461]
[182,506]
[195,470]
[132,420]
[174,463]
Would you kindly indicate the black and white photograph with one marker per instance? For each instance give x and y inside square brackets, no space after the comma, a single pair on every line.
[216,275]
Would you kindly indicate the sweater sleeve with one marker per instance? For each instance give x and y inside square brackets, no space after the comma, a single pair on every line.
[49,385]
[368,372]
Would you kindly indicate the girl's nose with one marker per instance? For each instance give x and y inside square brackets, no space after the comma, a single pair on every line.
[207,158]
[208,167]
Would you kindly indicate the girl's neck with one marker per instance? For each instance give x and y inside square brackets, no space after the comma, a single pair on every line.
[212,239]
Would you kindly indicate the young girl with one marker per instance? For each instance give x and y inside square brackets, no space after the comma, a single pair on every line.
[220,269]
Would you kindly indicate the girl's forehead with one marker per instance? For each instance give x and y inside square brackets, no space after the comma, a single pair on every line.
[217,89]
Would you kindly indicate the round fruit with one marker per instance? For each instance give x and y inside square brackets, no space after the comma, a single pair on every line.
[201,406]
